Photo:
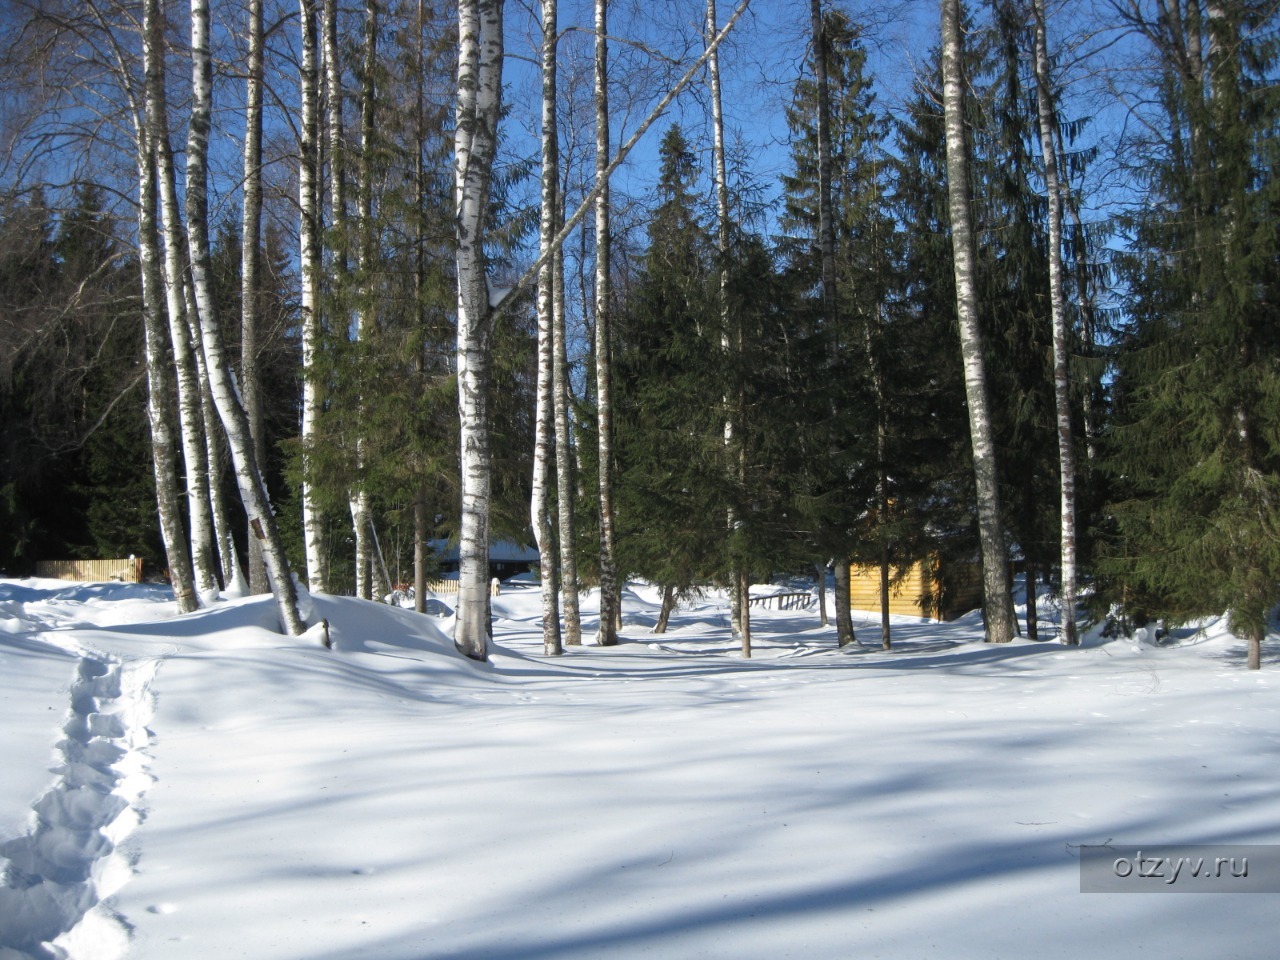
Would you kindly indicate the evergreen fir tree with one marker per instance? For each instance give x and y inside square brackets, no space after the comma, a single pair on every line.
[669,393]
[1195,449]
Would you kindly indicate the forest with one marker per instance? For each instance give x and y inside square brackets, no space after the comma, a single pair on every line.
[683,292]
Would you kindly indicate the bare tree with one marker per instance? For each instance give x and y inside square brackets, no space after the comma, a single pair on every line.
[221,377]
[540,507]
[251,264]
[730,339]
[361,517]
[160,412]
[607,633]
[477,111]
[309,228]
[565,490]
[190,414]
[478,107]
[1058,313]
[998,603]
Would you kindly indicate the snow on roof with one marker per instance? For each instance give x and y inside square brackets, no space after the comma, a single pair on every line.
[500,551]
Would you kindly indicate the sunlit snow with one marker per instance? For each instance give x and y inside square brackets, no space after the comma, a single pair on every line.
[202,787]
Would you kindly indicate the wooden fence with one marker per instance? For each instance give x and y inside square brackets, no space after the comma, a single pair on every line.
[128,570]
[442,588]
[781,601]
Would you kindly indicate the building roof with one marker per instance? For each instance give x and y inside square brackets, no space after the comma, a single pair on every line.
[500,551]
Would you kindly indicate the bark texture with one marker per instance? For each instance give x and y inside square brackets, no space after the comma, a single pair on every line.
[1058,313]
[997,602]
[607,633]
[478,108]
[544,440]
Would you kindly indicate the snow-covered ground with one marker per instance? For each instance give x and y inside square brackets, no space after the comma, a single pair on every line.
[202,787]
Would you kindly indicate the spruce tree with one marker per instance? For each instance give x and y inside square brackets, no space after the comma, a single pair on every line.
[669,390]
[849,481]
[1195,450]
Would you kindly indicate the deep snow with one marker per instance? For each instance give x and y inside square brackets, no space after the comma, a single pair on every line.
[202,787]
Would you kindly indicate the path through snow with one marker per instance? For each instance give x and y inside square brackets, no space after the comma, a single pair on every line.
[56,876]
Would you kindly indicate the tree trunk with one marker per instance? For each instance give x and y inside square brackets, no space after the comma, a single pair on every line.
[1058,312]
[742,580]
[566,492]
[215,454]
[251,267]
[309,228]
[730,339]
[421,525]
[361,516]
[478,108]
[668,605]
[208,437]
[998,606]
[844,615]
[607,634]
[886,628]
[873,337]
[540,505]
[822,592]
[1033,613]
[221,378]
[827,254]
[160,412]
[421,535]
[174,273]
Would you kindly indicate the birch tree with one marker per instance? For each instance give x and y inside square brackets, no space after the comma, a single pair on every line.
[607,633]
[566,492]
[221,378]
[540,506]
[1058,313]
[159,357]
[359,498]
[251,264]
[477,111]
[309,227]
[730,339]
[190,415]
[997,602]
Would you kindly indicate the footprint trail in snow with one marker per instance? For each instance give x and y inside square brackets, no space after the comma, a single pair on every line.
[56,877]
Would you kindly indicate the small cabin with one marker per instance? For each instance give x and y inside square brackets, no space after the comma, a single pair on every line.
[933,588]
[506,558]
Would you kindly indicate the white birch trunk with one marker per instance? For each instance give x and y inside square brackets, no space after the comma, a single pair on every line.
[251,266]
[566,490]
[160,385]
[1058,313]
[174,272]
[209,436]
[998,604]
[607,632]
[309,226]
[359,498]
[478,108]
[719,173]
[221,378]
[540,504]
